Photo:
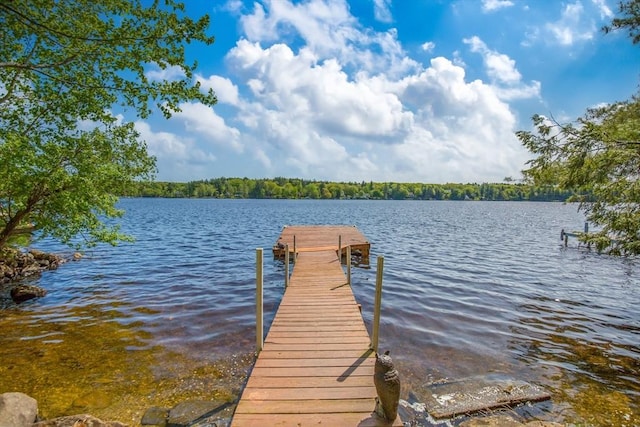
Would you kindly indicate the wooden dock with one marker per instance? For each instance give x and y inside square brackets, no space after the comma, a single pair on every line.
[304,238]
[316,366]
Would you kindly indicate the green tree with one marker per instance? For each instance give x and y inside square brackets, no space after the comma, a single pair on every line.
[627,19]
[64,68]
[599,156]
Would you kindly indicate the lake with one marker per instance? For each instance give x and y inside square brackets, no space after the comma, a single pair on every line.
[471,289]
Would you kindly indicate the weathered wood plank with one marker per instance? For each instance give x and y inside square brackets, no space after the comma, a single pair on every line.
[301,382]
[310,382]
[315,371]
[313,347]
[314,406]
[331,420]
[301,354]
[284,363]
[310,393]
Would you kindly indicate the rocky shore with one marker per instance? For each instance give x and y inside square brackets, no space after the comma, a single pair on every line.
[17,265]
[21,410]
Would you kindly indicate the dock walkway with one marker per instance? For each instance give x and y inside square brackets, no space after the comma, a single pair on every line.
[316,366]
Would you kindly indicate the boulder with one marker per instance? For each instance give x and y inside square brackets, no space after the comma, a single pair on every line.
[187,413]
[155,416]
[82,420]
[17,410]
[23,293]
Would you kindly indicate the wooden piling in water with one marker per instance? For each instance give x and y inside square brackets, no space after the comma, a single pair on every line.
[259,305]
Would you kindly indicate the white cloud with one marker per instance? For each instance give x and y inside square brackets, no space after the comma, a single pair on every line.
[168,73]
[225,90]
[463,132]
[491,5]
[329,31]
[382,10]
[317,96]
[178,158]
[503,73]
[605,11]
[570,28]
[500,67]
[428,46]
[203,121]
[315,119]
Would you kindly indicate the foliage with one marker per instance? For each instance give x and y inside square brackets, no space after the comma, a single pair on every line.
[64,66]
[294,188]
[629,19]
[599,157]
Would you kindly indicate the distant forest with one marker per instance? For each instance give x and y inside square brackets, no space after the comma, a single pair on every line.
[294,188]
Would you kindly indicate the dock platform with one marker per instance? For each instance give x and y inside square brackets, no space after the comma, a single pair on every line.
[305,238]
[316,366]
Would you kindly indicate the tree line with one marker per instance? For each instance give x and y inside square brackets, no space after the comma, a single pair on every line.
[295,188]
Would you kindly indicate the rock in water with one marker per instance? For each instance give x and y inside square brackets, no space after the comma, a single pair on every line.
[82,420]
[23,293]
[387,382]
[17,410]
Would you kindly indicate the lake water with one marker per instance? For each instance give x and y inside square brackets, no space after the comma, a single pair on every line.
[471,289]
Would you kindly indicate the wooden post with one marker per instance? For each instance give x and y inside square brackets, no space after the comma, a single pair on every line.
[378,302]
[340,248]
[295,254]
[286,266]
[349,265]
[259,330]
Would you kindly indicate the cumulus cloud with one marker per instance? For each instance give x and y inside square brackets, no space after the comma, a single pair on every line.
[167,73]
[605,11]
[457,121]
[321,121]
[202,120]
[382,10]
[428,46]
[329,30]
[225,90]
[491,5]
[502,72]
[347,103]
[177,157]
[571,28]
[499,66]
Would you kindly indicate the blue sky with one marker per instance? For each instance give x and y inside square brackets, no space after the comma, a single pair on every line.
[387,90]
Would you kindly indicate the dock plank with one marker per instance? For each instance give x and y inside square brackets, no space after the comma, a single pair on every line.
[316,366]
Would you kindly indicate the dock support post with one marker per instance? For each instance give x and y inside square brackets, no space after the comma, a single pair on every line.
[259,329]
[295,254]
[349,265]
[340,248]
[378,303]
[286,266]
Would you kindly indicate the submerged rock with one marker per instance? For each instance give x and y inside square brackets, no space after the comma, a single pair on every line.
[189,412]
[17,410]
[23,293]
[82,420]
[155,416]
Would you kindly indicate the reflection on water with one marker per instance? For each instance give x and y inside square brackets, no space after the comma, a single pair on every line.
[470,289]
